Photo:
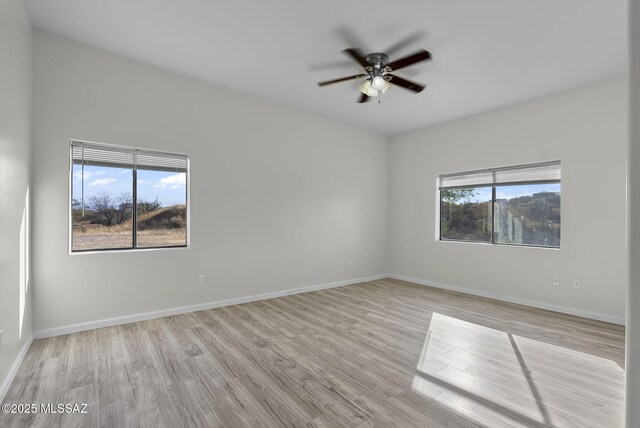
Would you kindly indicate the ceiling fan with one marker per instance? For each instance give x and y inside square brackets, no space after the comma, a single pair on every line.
[378,72]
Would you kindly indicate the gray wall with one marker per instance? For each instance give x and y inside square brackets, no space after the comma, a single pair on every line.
[283,199]
[632,360]
[279,198]
[15,153]
[586,129]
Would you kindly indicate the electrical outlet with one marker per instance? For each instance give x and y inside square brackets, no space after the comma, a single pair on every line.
[556,282]
[576,284]
[203,279]
[427,263]
[352,262]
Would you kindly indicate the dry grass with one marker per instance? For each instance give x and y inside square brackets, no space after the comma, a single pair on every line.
[145,220]
[157,228]
[103,237]
[100,229]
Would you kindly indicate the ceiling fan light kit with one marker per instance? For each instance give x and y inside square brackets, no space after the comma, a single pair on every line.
[377,72]
[370,88]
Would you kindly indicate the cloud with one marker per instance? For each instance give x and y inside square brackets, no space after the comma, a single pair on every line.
[77,174]
[175,181]
[101,182]
[143,181]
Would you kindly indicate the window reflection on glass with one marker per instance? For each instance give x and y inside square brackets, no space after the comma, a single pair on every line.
[528,215]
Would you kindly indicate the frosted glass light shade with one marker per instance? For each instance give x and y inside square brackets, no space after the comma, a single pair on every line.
[377,83]
[368,89]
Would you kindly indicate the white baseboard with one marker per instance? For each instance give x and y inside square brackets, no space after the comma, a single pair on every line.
[517,300]
[91,325]
[6,382]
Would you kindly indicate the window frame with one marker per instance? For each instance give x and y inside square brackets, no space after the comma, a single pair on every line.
[493,187]
[134,203]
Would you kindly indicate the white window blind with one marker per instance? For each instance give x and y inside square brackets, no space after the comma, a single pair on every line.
[120,157]
[548,172]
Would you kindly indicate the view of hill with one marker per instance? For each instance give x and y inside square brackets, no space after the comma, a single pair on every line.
[529,220]
[107,224]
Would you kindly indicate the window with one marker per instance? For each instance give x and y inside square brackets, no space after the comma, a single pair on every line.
[125,198]
[517,205]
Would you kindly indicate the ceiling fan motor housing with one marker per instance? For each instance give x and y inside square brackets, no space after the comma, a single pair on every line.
[377,60]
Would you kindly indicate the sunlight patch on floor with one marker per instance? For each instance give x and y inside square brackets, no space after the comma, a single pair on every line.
[487,374]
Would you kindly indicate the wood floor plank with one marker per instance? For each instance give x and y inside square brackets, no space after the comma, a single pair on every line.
[384,353]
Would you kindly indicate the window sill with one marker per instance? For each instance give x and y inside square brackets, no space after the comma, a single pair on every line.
[495,244]
[128,250]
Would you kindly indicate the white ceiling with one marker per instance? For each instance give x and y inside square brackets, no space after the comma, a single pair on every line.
[486,54]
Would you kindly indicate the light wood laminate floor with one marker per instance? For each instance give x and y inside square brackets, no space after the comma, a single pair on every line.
[383,353]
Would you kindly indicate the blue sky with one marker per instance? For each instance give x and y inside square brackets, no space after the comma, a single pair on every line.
[168,187]
[483,194]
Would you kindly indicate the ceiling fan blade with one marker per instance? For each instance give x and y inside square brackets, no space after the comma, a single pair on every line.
[357,56]
[404,83]
[331,65]
[412,38]
[342,79]
[363,98]
[349,37]
[421,55]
